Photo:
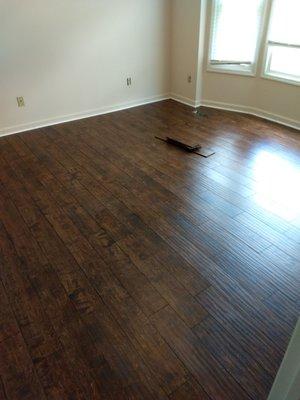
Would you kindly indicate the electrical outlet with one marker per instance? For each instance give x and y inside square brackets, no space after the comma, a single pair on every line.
[189,78]
[20,101]
[129,81]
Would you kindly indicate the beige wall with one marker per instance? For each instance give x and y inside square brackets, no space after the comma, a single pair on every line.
[70,58]
[272,99]
[226,88]
[185,28]
[278,98]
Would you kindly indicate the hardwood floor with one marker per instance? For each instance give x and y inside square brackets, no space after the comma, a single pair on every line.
[133,270]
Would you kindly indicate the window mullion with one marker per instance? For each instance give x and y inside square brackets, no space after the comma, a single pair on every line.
[262,56]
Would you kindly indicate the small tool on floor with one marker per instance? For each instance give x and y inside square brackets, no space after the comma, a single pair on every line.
[188,146]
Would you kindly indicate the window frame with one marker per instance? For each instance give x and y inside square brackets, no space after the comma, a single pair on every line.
[236,69]
[284,78]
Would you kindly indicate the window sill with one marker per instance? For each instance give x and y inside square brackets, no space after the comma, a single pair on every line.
[280,79]
[231,71]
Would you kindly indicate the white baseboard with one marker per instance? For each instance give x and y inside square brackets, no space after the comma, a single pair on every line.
[184,100]
[86,114]
[253,111]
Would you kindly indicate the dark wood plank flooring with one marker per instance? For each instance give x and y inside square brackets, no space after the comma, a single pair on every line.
[133,270]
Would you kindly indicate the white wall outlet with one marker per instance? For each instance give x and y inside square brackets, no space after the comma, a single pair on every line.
[129,81]
[20,101]
[189,78]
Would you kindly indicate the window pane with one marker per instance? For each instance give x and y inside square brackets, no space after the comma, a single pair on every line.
[235,29]
[282,60]
[285,22]
[285,61]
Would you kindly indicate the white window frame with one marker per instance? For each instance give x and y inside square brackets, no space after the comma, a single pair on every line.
[239,69]
[266,73]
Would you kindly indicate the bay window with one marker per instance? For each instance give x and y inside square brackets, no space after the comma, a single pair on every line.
[245,33]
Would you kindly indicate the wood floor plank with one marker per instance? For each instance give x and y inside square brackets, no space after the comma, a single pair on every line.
[244,254]
[101,239]
[136,284]
[40,337]
[85,303]
[174,293]
[86,341]
[37,331]
[2,391]
[191,390]
[194,282]
[90,366]
[209,374]
[162,362]
[149,294]
[17,372]
[86,202]
[132,270]
[8,324]
[242,329]
[269,233]
[246,371]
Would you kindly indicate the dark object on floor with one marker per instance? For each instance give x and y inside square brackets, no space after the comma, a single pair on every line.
[199,113]
[188,146]
[182,145]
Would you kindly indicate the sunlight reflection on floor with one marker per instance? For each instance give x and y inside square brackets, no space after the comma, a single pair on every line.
[277,186]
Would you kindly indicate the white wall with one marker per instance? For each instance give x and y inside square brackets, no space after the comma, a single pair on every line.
[72,57]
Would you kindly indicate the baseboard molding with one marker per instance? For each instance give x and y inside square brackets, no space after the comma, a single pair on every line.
[253,111]
[181,99]
[86,114]
[184,100]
